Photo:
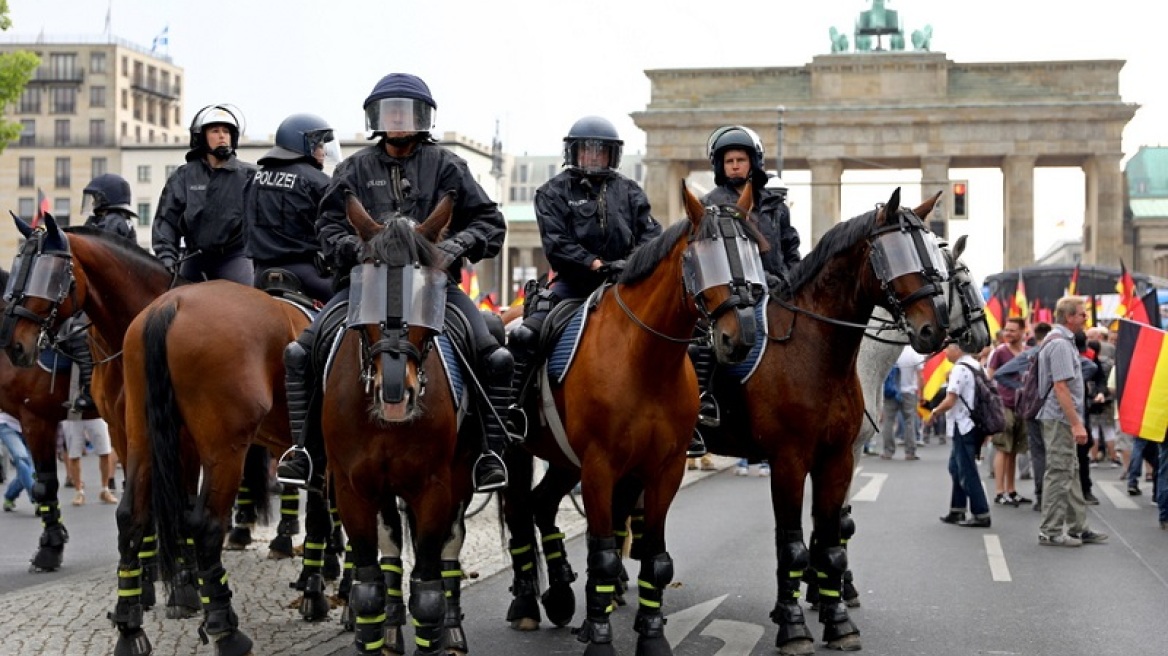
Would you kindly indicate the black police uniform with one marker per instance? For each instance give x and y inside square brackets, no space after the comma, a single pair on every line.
[280,221]
[114,221]
[204,207]
[773,218]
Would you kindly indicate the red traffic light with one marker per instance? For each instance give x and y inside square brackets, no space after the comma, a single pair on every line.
[959,188]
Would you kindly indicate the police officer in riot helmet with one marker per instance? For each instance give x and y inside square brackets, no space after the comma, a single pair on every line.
[283,201]
[591,218]
[202,202]
[106,205]
[736,154]
[405,172]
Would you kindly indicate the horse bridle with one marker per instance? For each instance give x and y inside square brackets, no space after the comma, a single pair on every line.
[31,256]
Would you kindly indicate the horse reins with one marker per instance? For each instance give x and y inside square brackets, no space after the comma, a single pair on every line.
[629,313]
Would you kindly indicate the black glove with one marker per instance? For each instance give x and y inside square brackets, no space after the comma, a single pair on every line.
[168,262]
[613,269]
[455,247]
[347,248]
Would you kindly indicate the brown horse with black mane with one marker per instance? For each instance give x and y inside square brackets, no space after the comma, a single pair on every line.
[623,416]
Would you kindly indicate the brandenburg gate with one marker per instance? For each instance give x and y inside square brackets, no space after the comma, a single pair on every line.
[907,110]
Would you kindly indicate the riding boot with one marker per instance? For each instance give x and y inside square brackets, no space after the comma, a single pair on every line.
[522,343]
[703,363]
[489,471]
[77,348]
[303,464]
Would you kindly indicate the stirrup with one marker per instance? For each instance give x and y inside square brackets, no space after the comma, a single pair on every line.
[697,445]
[516,424]
[489,487]
[294,481]
[706,401]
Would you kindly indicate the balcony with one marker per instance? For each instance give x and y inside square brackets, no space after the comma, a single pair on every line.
[69,142]
[47,75]
[153,87]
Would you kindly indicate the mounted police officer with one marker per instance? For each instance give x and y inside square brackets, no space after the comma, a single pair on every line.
[405,172]
[736,154]
[283,201]
[202,202]
[106,204]
[591,218]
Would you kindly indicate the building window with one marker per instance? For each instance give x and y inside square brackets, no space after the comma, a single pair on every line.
[124,130]
[63,66]
[30,101]
[125,66]
[144,173]
[61,211]
[98,166]
[514,194]
[97,62]
[522,173]
[27,132]
[125,99]
[138,133]
[63,100]
[150,136]
[27,172]
[97,132]
[170,169]
[27,208]
[62,177]
[97,96]
[639,173]
[61,132]
[137,108]
[144,214]
[164,117]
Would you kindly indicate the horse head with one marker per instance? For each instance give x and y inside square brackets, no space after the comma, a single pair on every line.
[911,269]
[397,302]
[42,290]
[967,320]
[723,272]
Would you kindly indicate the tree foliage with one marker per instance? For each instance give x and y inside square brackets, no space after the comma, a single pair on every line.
[16,69]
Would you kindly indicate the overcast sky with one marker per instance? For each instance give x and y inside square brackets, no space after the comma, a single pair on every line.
[535,66]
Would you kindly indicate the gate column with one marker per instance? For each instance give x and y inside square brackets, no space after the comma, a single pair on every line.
[1103,220]
[825,195]
[1018,211]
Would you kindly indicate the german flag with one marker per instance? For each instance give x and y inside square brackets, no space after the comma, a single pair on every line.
[1130,305]
[1141,378]
[936,372]
[42,208]
[995,314]
[1019,306]
[1073,286]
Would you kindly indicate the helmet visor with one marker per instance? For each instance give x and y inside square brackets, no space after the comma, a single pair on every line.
[323,144]
[595,155]
[89,203]
[399,115]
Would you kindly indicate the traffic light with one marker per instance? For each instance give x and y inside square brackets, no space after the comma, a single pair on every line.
[960,189]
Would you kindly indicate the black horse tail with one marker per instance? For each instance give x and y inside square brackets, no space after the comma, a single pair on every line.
[254,487]
[164,422]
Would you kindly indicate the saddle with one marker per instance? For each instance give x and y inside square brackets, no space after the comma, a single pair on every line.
[286,286]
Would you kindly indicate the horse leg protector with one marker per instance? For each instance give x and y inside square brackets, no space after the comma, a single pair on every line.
[604,568]
[392,573]
[314,605]
[281,546]
[655,575]
[245,518]
[127,615]
[148,557]
[454,637]
[847,530]
[220,623]
[524,611]
[344,588]
[558,599]
[428,609]
[51,551]
[335,547]
[183,601]
[788,614]
[367,599]
[833,613]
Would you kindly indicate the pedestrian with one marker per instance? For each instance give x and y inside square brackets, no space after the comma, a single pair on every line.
[965,489]
[404,173]
[1060,380]
[1012,442]
[1093,380]
[902,406]
[23,477]
[1010,375]
[77,433]
[199,221]
[282,204]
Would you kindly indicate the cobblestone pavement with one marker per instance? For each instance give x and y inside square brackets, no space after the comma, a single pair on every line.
[68,616]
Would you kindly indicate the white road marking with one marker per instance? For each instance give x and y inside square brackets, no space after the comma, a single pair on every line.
[1116,492]
[871,490]
[737,637]
[683,622]
[998,568]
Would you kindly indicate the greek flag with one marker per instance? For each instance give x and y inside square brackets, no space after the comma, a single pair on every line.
[163,39]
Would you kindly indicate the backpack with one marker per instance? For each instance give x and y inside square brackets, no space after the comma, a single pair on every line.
[988,413]
[1027,401]
[892,384]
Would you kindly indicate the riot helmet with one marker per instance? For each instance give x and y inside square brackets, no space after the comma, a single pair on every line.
[300,136]
[593,146]
[400,102]
[736,137]
[106,192]
[224,114]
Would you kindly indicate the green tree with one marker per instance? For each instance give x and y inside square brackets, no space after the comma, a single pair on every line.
[16,70]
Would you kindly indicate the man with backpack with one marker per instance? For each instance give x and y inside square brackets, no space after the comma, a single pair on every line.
[1010,375]
[1012,442]
[966,439]
[1060,381]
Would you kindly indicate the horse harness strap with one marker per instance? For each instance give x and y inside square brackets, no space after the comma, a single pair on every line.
[652,331]
[551,417]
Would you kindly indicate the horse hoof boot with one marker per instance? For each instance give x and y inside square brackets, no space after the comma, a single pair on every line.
[46,559]
[134,643]
[235,643]
[560,603]
[331,569]
[183,602]
[314,605]
[846,643]
[798,647]
[280,548]
[348,619]
[658,646]
[238,539]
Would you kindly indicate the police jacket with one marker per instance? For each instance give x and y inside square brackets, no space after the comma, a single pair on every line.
[773,219]
[203,206]
[411,186]
[116,221]
[280,215]
[582,219]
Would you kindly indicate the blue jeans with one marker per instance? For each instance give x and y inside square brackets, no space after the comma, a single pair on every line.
[1162,482]
[963,471]
[1142,450]
[18,450]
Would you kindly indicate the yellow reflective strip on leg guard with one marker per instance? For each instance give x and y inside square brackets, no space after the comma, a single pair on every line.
[829,593]
[290,512]
[289,497]
[527,567]
[146,554]
[650,604]
[375,645]
[128,573]
[396,594]
[371,619]
[554,555]
[130,593]
[621,534]
[553,536]
[313,563]
[645,584]
[422,642]
[317,545]
[521,550]
[606,589]
[795,574]
[452,574]
[390,567]
[204,600]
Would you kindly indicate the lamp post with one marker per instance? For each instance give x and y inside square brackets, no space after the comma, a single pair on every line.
[779,144]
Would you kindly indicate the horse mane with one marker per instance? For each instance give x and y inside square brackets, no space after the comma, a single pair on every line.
[3,277]
[839,238]
[120,244]
[399,244]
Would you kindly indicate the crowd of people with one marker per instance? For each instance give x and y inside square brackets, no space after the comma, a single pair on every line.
[1073,437]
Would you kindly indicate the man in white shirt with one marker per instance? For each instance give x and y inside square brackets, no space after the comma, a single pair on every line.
[910,363]
[966,440]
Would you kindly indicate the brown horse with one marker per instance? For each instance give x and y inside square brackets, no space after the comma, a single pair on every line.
[38,398]
[802,406]
[623,417]
[391,431]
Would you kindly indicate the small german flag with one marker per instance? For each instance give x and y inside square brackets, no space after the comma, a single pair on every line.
[935,373]
[1141,380]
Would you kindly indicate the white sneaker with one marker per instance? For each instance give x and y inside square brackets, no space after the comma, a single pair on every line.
[764,471]
[742,471]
